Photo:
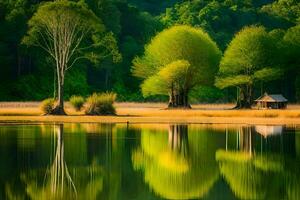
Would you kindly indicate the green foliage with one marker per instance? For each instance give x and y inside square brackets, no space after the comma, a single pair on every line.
[287,9]
[247,58]
[207,94]
[292,46]
[251,57]
[297,87]
[178,58]
[101,104]
[172,76]
[77,102]
[47,106]
[50,14]
[128,26]
[222,19]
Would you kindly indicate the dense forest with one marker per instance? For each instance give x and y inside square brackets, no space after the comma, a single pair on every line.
[28,73]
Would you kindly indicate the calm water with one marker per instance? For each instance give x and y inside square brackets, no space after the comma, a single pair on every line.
[116,161]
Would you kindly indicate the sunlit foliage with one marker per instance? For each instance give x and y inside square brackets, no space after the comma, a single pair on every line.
[169,49]
[248,59]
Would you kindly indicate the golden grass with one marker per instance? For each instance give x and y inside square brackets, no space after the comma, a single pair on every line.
[156,112]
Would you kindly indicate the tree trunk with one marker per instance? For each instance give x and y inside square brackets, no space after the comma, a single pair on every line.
[171,98]
[179,100]
[59,108]
[245,98]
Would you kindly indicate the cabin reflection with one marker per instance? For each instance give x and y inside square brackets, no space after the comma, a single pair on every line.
[268,131]
[254,162]
[257,139]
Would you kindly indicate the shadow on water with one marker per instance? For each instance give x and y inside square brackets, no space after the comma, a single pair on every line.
[153,161]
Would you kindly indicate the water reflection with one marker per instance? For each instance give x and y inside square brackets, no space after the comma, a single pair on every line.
[268,131]
[176,161]
[250,174]
[58,182]
[177,165]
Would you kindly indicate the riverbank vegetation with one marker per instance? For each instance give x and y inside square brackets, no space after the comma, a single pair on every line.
[188,51]
[154,113]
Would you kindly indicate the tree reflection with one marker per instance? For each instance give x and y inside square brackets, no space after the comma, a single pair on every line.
[251,175]
[176,165]
[94,161]
[58,182]
[60,178]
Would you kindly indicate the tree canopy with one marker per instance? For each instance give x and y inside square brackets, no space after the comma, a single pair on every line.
[248,59]
[130,25]
[61,29]
[177,60]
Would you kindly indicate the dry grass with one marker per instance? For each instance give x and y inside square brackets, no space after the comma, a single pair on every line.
[156,112]
[204,110]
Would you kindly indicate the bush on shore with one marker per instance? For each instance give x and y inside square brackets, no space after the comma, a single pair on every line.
[77,102]
[47,106]
[101,104]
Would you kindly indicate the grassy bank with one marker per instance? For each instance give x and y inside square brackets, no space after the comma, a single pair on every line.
[152,112]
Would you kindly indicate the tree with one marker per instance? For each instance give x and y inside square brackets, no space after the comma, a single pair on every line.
[291,42]
[249,58]
[171,79]
[286,9]
[222,19]
[175,61]
[68,32]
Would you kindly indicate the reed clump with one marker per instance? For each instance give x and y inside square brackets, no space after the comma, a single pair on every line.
[47,106]
[77,102]
[101,104]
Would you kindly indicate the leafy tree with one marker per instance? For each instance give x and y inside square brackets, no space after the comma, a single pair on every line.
[221,19]
[153,6]
[287,9]
[61,28]
[175,61]
[133,23]
[169,80]
[291,41]
[248,59]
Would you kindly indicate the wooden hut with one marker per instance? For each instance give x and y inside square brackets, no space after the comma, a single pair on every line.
[271,101]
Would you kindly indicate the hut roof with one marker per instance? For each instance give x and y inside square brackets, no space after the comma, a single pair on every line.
[271,98]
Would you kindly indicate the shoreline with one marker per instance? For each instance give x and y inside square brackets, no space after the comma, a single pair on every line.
[149,120]
[147,113]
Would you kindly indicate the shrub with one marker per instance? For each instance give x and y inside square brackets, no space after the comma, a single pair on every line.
[101,104]
[47,106]
[77,102]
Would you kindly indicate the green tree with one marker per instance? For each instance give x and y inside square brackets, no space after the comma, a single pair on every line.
[291,41]
[249,58]
[177,60]
[286,9]
[222,19]
[62,29]
[171,79]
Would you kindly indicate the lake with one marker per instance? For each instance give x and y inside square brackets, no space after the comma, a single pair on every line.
[149,161]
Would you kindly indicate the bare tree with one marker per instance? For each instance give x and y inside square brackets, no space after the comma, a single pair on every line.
[68,32]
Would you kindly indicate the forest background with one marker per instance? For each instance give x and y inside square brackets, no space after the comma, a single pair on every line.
[26,74]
